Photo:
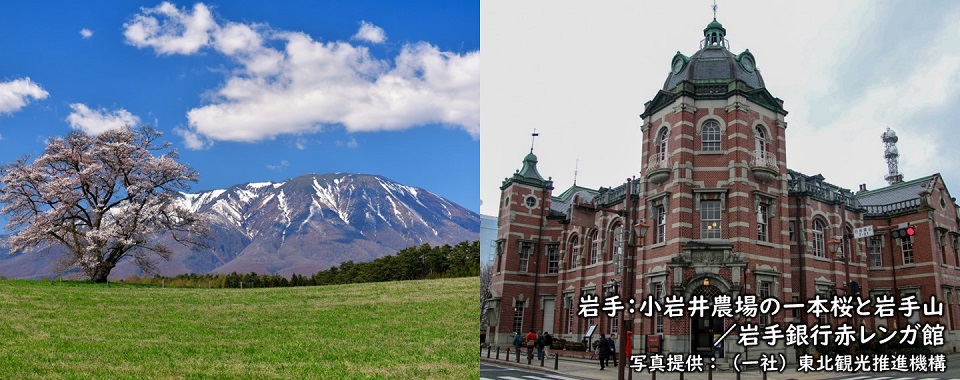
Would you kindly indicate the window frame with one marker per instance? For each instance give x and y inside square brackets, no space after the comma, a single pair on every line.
[594,247]
[711,211]
[710,134]
[818,231]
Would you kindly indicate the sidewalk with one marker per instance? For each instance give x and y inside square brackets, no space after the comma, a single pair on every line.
[590,369]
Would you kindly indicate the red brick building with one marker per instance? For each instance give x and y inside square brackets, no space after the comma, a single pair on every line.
[724,216]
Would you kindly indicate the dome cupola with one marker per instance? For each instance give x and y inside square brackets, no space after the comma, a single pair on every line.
[714,63]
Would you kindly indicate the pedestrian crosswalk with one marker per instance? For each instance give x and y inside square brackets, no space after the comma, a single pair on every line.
[538,377]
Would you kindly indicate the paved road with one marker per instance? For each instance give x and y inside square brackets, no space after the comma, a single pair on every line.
[491,372]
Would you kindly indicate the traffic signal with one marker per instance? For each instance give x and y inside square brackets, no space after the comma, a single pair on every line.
[904,233]
[853,288]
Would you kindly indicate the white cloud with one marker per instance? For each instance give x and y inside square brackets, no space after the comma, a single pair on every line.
[97,121]
[370,33]
[86,33]
[193,140]
[352,143]
[17,93]
[176,32]
[303,85]
[278,167]
[301,143]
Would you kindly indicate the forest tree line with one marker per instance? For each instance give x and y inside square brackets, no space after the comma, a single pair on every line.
[414,263]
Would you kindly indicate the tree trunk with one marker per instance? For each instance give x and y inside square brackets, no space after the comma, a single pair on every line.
[100,274]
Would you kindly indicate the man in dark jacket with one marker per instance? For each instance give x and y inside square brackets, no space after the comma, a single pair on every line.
[540,346]
[603,349]
[613,350]
[547,342]
[517,342]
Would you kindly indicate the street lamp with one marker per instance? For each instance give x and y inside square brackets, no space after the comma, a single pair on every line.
[834,246]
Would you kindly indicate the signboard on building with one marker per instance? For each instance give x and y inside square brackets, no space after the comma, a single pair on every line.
[863,232]
[653,344]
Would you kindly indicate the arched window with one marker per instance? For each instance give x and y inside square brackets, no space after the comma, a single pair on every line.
[662,139]
[574,252]
[710,136]
[818,238]
[594,247]
[761,141]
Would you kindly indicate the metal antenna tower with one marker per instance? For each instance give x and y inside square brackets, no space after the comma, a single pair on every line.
[892,155]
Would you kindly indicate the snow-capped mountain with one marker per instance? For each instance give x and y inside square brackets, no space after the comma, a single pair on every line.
[312,222]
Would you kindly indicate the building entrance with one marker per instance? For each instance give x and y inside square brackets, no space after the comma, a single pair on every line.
[704,331]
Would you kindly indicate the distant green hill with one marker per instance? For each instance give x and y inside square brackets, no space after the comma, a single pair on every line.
[396,330]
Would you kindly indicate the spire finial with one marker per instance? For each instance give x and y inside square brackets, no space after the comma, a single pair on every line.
[575,168]
[533,139]
[714,9]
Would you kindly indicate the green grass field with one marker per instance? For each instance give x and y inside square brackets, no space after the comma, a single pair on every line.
[396,330]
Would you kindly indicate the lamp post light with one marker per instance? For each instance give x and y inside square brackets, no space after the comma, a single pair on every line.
[639,231]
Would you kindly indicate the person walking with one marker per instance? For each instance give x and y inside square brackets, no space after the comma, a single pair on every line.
[603,349]
[531,340]
[613,350]
[547,342]
[517,342]
[540,346]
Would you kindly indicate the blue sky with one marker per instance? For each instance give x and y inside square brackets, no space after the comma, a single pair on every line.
[254,91]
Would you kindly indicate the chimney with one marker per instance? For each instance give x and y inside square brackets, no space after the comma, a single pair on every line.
[863,187]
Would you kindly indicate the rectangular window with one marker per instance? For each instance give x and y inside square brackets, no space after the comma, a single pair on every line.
[499,254]
[874,296]
[618,248]
[594,248]
[526,248]
[661,224]
[762,210]
[793,231]
[613,325]
[574,255]
[518,317]
[822,292]
[710,220]
[763,292]
[906,247]
[818,242]
[553,258]
[956,250]
[942,243]
[592,320]
[658,319]
[570,314]
[914,318]
[875,245]
[711,140]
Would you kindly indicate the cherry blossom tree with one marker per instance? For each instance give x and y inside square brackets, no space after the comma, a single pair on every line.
[104,198]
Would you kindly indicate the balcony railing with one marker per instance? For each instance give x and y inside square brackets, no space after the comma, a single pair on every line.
[765,160]
[615,195]
[658,168]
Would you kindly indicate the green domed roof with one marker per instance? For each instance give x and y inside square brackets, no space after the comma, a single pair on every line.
[714,25]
